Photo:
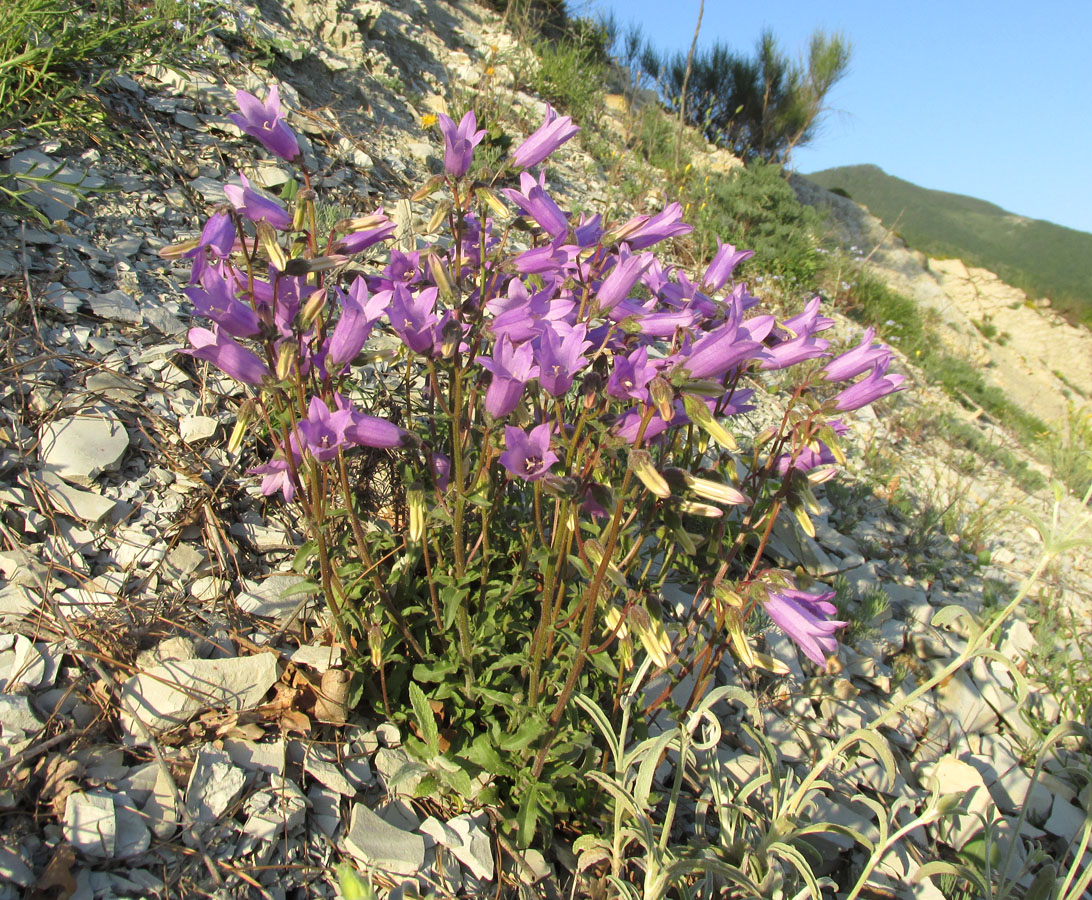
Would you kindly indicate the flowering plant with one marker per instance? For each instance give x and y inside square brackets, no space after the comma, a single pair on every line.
[551,407]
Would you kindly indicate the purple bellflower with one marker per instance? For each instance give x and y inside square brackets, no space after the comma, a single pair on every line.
[512,368]
[550,135]
[622,278]
[807,322]
[723,264]
[359,312]
[789,353]
[370,431]
[877,384]
[278,474]
[255,206]
[805,618]
[441,469]
[323,432]
[227,354]
[853,362]
[665,224]
[560,355]
[533,200]
[265,122]
[218,235]
[528,455]
[215,299]
[459,143]
[631,376]
[414,320]
[370,231]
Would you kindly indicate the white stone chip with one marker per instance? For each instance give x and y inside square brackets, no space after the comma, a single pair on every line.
[90,824]
[79,448]
[214,786]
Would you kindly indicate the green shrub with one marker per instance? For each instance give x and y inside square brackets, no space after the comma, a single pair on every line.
[571,77]
[754,206]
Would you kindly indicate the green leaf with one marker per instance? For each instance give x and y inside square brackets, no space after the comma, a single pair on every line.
[437,672]
[483,753]
[524,736]
[527,817]
[352,884]
[306,551]
[458,780]
[426,719]
[427,786]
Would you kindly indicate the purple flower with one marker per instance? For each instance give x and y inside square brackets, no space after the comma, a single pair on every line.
[256,207]
[853,362]
[359,312]
[877,384]
[723,264]
[413,318]
[807,322]
[441,469]
[368,231]
[524,317]
[723,348]
[215,299]
[550,135]
[323,432]
[459,143]
[631,376]
[265,122]
[536,203]
[278,474]
[370,431]
[644,231]
[528,454]
[589,231]
[625,274]
[512,368]
[805,618]
[561,355]
[218,235]
[228,355]
[789,353]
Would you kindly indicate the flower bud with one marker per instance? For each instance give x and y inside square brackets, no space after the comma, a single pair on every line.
[286,361]
[243,419]
[641,464]
[438,216]
[177,251]
[375,644]
[701,416]
[450,339]
[715,490]
[428,188]
[267,240]
[299,215]
[663,397]
[315,304]
[492,201]
[299,266]
[415,502]
[439,276]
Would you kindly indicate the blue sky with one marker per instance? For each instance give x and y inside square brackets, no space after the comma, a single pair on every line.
[989,99]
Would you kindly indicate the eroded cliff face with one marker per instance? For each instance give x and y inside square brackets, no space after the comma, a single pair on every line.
[1020,345]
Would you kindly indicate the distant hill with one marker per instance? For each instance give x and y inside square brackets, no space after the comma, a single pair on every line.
[1043,259]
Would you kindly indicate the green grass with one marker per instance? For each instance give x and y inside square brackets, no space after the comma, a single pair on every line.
[1042,258]
[571,77]
[55,53]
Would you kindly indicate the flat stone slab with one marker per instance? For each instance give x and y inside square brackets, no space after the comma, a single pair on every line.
[169,694]
[79,448]
[378,843]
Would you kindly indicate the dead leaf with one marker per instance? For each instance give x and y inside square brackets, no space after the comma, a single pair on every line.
[57,875]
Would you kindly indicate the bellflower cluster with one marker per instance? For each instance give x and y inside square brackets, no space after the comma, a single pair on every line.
[558,385]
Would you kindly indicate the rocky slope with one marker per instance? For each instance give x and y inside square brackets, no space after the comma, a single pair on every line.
[164,728]
[1028,343]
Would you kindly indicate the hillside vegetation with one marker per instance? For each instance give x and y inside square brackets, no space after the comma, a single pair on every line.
[1041,258]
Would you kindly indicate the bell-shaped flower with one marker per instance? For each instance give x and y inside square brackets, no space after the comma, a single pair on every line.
[589,231]
[323,432]
[723,264]
[364,233]
[218,235]
[789,353]
[869,389]
[459,143]
[359,312]
[370,431]
[278,474]
[805,619]
[726,347]
[414,319]
[528,455]
[853,362]
[440,463]
[512,367]
[227,354]
[644,231]
[533,201]
[215,299]
[525,316]
[265,122]
[807,322]
[623,277]
[631,376]
[560,352]
[257,207]
[550,135]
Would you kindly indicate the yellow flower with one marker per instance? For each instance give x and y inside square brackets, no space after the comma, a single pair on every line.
[428,120]
[490,70]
